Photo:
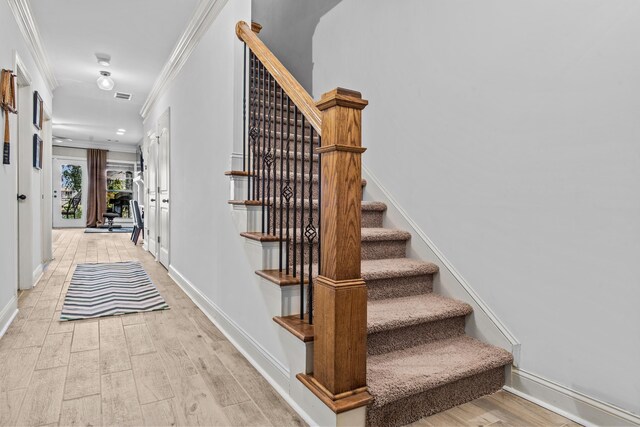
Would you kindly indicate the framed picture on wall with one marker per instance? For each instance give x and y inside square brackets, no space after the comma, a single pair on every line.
[37,151]
[37,110]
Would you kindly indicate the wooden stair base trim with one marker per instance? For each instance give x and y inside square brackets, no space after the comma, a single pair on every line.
[236,173]
[281,278]
[300,328]
[260,237]
[339,147]
[337,403]
[245,202]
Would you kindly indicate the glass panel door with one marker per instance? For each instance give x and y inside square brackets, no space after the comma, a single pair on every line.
[69,195]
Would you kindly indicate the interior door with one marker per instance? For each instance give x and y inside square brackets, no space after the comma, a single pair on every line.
[163,189]
[151,205]
[69,193]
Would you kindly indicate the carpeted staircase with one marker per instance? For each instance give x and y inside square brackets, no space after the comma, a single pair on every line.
[420,361]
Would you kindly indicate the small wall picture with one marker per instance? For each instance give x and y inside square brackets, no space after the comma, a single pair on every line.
[37,110]
[37,151]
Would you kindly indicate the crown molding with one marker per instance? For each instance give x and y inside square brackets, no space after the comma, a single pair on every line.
[27,24]
[203,17]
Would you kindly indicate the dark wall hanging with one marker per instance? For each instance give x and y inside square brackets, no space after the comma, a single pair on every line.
[7,105]
[37,110]
[37,151]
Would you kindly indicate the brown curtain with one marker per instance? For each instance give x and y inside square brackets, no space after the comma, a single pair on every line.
[97,195]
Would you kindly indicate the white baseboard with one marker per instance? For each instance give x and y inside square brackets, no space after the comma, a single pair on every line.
[8,313]
[569,403]
[266,364]
[37,274]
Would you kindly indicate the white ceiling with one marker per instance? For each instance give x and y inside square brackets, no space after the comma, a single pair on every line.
[138,34]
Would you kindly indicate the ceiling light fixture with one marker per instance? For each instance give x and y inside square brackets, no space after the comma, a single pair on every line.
[105,82]
[122,130]
[103,59]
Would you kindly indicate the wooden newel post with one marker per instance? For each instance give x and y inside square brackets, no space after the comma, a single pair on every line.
[340,299]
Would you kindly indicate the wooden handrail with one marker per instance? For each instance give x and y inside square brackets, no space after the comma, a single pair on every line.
[298,95]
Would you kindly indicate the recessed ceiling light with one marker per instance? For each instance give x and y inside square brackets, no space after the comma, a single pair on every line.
[122,130]
[105,82]
[58,140]
[119,133]
[103,59]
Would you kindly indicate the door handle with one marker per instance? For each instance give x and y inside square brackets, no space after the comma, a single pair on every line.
[22,197]
[152,200]
[165,200]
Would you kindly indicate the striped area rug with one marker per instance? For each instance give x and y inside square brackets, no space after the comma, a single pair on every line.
[110,289]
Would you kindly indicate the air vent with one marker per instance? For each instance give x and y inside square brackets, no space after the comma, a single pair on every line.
[122,95]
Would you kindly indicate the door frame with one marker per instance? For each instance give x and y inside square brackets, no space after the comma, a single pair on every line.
[85,177]
[46,183]
[24,209]
[165,240]
[151,227]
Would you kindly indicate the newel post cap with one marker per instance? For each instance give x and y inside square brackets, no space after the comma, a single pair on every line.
[343,98]
[255,27]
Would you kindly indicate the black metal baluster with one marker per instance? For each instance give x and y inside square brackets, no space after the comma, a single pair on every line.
[301,226]
[319,204]
[310,232]
[269,157]
[275,147]
[287,190]
[263,146]
[282,179]
[253,131]
[244,109]
[295,190]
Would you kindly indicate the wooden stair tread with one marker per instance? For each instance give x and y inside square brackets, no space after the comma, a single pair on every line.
[300,328]
[281,278]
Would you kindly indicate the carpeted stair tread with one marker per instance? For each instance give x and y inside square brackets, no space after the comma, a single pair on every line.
[394,313]
[367,235]
[395,267]
[366,206]
[381,234]
[395,375]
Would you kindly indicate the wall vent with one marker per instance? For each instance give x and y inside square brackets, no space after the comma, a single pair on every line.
[122,95]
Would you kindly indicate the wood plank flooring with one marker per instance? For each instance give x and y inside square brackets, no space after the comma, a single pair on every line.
[172,367]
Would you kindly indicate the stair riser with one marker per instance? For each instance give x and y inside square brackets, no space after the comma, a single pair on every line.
[276,119]
[272,188]
[369,250]
[291,162]
[412,408]
[411,336]
[396,287]
[370,219]
[273,137]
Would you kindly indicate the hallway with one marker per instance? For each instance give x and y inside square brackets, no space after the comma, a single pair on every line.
[172,367]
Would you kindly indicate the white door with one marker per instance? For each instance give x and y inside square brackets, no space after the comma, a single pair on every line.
[151,206]
[69,193]
[163,189]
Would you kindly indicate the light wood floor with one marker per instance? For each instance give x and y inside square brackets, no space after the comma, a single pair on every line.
[164,368]
[170,367]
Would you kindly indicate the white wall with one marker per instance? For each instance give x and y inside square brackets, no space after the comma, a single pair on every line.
[206,250]
[509,132]
[287,29]
[12,42]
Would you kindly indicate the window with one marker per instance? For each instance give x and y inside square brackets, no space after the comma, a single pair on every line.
[119,187]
